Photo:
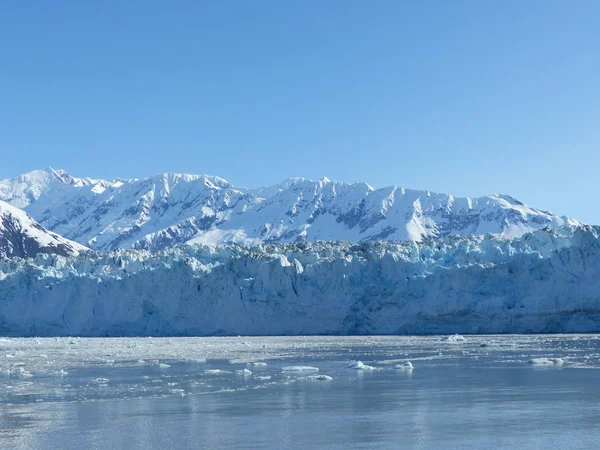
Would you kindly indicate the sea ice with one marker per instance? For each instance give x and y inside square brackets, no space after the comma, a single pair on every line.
[244,372]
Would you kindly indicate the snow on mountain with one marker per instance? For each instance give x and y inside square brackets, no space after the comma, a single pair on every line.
[152,213]
[22,236]
[170,209]
[309,210]
[546,281]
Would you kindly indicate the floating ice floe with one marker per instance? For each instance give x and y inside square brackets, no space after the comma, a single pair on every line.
[21,372]
[262,377]
[404,366]
[453,338]
[100,380]
[256,364]
[244,372]
[319,377]
[359,365]
[300,369]
[164,366]
[547,361]
[196,360]
[214,372]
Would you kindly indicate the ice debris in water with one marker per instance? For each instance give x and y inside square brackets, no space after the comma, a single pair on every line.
[100,380]
[300,369]
[404,366]
[244,372]
[547,361]
[164,366]
[257,364]
[358,365]
[21,372]
[453,338]
[498,344]
[319,377]
[214,372]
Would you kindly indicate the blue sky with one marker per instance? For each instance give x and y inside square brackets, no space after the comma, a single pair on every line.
[466,97]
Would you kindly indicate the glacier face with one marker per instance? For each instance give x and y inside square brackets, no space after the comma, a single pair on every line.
[171,209]
[545,281]
[21,236]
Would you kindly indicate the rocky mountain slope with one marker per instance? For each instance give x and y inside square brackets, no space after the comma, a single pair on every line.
[21,236]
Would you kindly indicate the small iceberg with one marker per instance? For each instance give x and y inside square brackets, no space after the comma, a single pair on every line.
[263,377]
[404,366]
[358,365]
[454,338]
[547,361]
[100,380]
[243,372]
[319,378]
[256,364]
[214,372]
[300,369]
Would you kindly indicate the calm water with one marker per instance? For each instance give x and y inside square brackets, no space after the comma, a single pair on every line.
[459,395]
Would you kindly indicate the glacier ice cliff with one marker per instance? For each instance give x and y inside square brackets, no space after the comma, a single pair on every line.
[545,281]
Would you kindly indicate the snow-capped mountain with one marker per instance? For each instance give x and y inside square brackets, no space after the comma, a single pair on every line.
[546,281]
[170,209]
[22,236]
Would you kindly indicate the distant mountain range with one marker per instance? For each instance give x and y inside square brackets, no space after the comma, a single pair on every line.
[171,209]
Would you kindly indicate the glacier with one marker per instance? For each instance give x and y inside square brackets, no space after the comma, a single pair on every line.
[544,281]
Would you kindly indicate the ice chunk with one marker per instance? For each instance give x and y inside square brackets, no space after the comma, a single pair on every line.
[546,361]
[214,372]
[404,366]
[196,360]
[257,364]
[20,371]
[319,377]
[164,366]
[244,372]
[100,380]
[358,365]
[300,369]
[454,338]
[262,377]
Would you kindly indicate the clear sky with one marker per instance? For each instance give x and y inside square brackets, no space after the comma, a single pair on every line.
[467,97]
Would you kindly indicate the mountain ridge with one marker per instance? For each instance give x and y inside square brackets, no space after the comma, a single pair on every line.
[171,209]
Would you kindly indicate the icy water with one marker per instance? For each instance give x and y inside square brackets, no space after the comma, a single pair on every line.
[536,392]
